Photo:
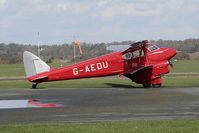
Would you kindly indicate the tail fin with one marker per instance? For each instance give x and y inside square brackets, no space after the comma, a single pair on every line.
[33,64]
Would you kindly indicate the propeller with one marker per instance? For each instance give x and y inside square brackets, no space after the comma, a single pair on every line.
[170,64]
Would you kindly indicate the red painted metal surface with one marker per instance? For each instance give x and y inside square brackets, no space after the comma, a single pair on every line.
[143,63]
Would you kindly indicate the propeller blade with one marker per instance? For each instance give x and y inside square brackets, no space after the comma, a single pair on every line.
[170,64]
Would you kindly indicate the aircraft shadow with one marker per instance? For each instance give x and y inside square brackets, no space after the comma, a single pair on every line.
[121,85]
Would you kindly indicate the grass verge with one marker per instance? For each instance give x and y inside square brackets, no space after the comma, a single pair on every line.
[101,83]
[162,126]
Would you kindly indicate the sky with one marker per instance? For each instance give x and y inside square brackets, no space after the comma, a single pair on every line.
[62,21]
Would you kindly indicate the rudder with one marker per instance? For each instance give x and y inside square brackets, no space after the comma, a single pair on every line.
[33,64]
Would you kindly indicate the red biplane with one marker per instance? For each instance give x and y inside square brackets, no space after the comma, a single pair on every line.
[143,63]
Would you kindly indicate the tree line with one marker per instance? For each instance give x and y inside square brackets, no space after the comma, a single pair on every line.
[13,53]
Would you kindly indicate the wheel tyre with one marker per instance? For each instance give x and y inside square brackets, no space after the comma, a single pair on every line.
[34,86]
[146,85]
[156,85]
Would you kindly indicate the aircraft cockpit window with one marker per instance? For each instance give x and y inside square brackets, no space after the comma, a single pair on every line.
[153,48]
[137,53]
[127,56]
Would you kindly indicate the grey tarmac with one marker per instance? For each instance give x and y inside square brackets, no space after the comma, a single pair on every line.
[102,104]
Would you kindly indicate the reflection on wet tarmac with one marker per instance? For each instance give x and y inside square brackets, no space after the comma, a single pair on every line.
[25,103]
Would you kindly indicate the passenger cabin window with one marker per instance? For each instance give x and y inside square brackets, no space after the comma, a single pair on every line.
[137,53]
[127,56]
[153,48]
[134,54]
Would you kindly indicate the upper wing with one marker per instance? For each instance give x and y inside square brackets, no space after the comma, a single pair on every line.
[136,46]
[117,47]
[128,48]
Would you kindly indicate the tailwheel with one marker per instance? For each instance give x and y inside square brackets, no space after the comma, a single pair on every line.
[34,85]
[156,85]
[146,85]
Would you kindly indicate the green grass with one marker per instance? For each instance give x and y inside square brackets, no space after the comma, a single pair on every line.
[101,83]
[181,81]
[163,126]
[186,66]
[80,83]
[14,70]
[9,70]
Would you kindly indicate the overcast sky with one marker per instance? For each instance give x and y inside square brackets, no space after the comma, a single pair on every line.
[58,21]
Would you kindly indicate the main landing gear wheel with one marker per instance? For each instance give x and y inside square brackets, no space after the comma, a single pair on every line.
[34,85]
[156,85]
[146,85]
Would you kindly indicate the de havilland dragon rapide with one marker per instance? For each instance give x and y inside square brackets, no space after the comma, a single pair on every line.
[142,62]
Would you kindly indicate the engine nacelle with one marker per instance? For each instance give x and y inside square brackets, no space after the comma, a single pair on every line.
[160,69]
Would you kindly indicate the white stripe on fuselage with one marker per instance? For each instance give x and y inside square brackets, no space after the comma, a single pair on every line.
[159,52]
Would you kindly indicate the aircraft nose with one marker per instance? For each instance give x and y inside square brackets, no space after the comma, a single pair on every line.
[171,53]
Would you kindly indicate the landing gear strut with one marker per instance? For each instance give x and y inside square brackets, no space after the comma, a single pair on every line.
[34,85]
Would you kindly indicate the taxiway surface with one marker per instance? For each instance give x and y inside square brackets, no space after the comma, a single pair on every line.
[102,104]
